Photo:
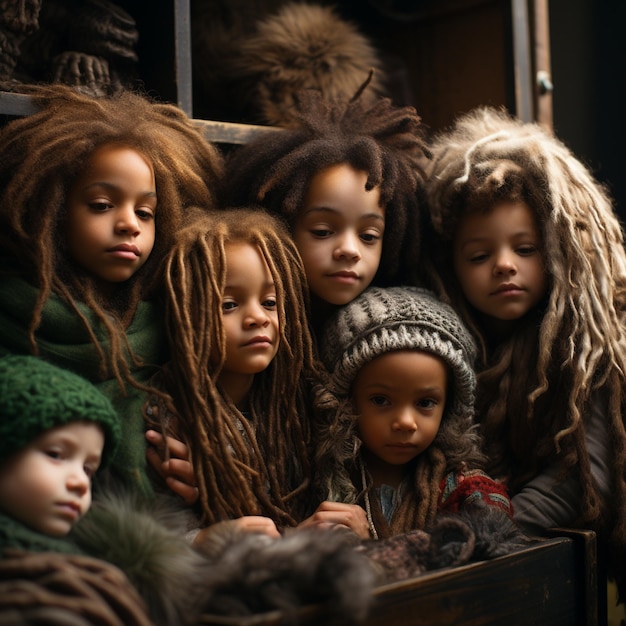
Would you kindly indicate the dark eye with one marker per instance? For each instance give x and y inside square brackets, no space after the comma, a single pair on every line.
[321,233]
[369,237]
[144,215]
[427,403]
[479,257]
[53,453]
[379,401]
[90,470]
[229,306]
[270,303]
[100,207]
[527,250]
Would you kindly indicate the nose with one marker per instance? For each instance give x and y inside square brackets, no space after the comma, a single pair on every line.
[78,481]
[256,315]
[127,221]
[505,264]
[405,420]
[348,247]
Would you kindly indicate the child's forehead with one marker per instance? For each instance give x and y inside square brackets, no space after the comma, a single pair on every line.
[74,430]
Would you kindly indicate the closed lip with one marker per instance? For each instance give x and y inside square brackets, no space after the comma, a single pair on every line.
[507,287]
[70,507]
[261,339]
[344,274]
[401,445]
[126,247]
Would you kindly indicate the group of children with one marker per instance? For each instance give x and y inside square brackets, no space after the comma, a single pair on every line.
[344,324]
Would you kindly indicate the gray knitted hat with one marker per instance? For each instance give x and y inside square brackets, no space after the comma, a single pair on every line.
[36,396]
[382,320]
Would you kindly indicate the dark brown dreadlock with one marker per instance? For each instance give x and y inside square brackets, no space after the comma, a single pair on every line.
[537,386]
[382,140]
[263,469]
[41,156]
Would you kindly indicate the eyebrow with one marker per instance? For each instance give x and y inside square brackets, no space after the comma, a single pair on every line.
[385,387]
[516,235]
[106,185]
[242,285]
[325,209]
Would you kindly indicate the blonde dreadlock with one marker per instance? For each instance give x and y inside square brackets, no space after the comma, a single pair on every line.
[535,388]
[41,156]
[264,470]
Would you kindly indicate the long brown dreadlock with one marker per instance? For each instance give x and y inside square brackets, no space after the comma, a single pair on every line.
[264,468]
[536,387]
[385,141]
[41,156]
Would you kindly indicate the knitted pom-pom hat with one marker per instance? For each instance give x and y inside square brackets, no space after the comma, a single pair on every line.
[36,396]
[383,320]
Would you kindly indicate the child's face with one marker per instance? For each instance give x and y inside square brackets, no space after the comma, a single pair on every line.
[249,316]
[339,234]
[400,398]
[47,484]
[498,261]
[111,215]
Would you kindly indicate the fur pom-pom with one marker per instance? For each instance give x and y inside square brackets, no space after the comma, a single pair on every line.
[496,533]
[147,542]
[306,46]
[252,57]
[450,543]
[253,573]
[477,533]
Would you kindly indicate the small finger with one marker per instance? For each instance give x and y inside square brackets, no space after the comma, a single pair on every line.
[177,448]
[188,493]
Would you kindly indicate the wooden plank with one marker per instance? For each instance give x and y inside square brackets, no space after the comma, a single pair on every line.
[16,104]
[219,132]
[229,132]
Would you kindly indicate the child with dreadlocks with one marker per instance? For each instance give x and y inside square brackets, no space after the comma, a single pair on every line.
[530,252]
[401,443]
[243,377]
[348,181]
[92,191]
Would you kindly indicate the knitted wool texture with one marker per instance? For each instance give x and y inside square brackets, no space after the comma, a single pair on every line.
[383,320]
[36,396]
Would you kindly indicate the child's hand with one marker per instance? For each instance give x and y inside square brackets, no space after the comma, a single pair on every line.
[177,471]
[332,514]
[257,524]
[248,523]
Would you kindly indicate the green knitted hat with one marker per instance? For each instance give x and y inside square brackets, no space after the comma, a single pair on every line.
[36,396]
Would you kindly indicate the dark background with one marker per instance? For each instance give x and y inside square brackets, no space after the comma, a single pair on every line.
[451,55]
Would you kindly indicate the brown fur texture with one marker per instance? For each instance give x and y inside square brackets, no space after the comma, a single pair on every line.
[218,28]
[478,533]
[253,573]
[269,54]
[232,573]
[305,46]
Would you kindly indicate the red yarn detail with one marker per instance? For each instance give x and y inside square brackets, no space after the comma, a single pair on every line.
[458,489]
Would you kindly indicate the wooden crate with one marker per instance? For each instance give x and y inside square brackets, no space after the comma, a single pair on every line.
[552,583]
